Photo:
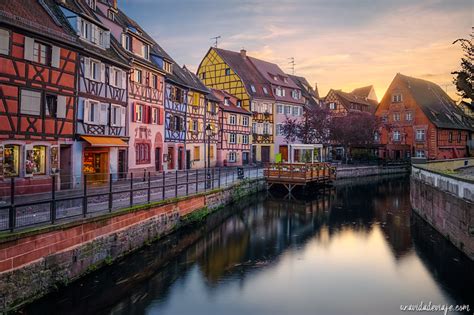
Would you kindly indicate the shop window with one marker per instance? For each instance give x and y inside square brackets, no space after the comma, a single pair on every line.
[11,160]
[197,154]
[35,163]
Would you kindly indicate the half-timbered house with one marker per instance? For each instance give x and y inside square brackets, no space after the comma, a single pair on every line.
[145,89]
[421,120]
[234,72]
[310,95]
[38,61]
[101,115]
[233,147]
[341,103]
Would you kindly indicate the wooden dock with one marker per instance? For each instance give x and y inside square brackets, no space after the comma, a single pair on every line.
[291,175]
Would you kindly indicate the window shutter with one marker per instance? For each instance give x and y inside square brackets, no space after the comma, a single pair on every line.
[123,113]
[161,116]
[134,112]
[107,39]
[29,45]
[78,26]
[102,72]
[148,115]
[124,79]
[103,117]
[124,40]
[61,110]
[55,56]
[87,65]
[94,34]
[87,109]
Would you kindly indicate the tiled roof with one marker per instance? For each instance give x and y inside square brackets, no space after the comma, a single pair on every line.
[247,73]
[232,107]
[306,89]
[348,98]
[440,109]
[193,81]
[363,91]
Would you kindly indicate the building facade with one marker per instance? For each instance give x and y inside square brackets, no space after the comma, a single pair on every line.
[421,120]
[341,103]
[38,65]
[234,73]
[233,147]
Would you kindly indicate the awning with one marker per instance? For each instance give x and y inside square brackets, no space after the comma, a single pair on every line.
[104,141]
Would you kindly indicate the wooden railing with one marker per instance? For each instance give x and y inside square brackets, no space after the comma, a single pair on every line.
[299,172]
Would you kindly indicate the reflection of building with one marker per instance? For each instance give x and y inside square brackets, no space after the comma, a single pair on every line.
[102,104]
[421,120]
[38,61]
[233,147]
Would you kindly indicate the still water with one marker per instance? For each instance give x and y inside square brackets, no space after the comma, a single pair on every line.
[356,248]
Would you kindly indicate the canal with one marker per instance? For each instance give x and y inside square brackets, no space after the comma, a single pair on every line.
[356,248]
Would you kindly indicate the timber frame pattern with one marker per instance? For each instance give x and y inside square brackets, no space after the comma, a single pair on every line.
[20,73]
[175,107]
[239,129]
[196,114]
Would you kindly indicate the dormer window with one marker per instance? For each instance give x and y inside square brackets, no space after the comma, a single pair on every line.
[227,71]
[168,67]
[295,94]
[203,75]
[111,15]
[285,79]
[226,101]
[252,87]
[239,103]
[265,90]
[279,91]
[146,51]
[91,4]
[127,42]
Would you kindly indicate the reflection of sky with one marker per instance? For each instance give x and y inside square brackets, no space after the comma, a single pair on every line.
[337,43]
[352,272]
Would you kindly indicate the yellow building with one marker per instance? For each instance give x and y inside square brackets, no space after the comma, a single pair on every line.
[234,73]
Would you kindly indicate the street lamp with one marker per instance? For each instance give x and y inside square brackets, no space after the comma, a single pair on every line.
[209,134]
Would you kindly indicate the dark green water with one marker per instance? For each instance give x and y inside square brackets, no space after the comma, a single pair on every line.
[353,249]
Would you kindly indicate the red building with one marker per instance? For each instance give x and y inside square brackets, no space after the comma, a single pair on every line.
[37,95]
[421,120]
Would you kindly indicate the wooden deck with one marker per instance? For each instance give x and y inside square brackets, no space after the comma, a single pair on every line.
[298,174]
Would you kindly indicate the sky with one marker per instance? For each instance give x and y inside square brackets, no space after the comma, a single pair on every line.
[339,44]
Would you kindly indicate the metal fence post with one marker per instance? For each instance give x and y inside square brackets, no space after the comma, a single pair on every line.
[219,179]
[197,180]
[84,198]
[213,172]
[131,189]
[176,185]
[187,182]
[226,173]
[110,192]
[12,214]
[149,188]
[163,187]
[53,199]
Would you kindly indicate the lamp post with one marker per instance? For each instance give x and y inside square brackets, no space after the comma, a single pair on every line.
[208,134]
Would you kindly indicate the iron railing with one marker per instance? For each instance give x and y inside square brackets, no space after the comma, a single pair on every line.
[112,192]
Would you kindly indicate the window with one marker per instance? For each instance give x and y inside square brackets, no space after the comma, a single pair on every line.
[252,87]
[116,77]
[51,102]
[142,153]
[295,94]
[11,160]
[115,115]
[408,116]
[94,70]
[265,90]
[376,136]
[396,98]
[4,42]
[195,125]
[138,76]
[226,101]
[154,81]
[35,162]
[396,116]
[154,116]
[232,157]
[111,15]
[279,129]
[420,135]
[278,91]
[420,154]
[239,103]
[139,110]
[168,67]
[92,113]
[287,110]
[232,138]
[127,42]
[30,102]
[396,136]
[279,109]
[91,3]
[459,136]
[227,71]
[245,139]
[450,136]
[332,105]
[197,154]
[146,51]
[245,121]
[42,53]
[254,127]
[203,75]
[266,129]
[296,111]
[211,152]
[232,119]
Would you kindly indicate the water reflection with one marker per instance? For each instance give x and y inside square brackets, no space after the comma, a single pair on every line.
[353,249]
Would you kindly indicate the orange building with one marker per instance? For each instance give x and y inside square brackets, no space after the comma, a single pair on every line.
[421,120]
[38,61]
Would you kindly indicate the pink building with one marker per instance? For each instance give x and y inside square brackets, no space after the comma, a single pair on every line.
[233,147]
[289,102]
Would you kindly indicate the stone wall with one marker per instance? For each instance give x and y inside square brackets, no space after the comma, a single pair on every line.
[361,171]
[32,263]
[445,210]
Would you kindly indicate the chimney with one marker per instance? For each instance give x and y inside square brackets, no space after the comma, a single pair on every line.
[114,4]
[243,53]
